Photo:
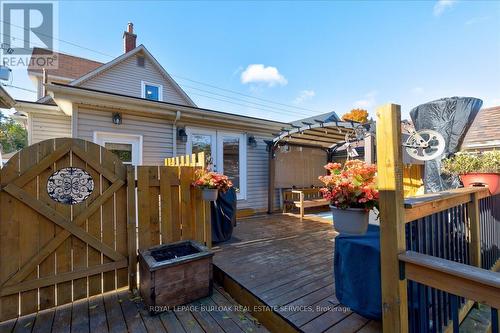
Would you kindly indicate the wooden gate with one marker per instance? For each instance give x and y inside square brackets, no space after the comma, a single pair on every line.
[52,253]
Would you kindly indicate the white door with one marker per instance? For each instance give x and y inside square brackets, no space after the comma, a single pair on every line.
[226,154]
[128,147]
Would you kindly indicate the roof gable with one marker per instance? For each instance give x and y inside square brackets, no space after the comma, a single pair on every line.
[324,117]
[122,75]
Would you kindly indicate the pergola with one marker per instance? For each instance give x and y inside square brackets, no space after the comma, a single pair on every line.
[326,136]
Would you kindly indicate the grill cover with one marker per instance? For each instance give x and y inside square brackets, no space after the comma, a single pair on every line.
[452,118]
[223,216]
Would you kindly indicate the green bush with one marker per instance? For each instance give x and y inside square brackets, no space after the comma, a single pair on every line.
[461,163]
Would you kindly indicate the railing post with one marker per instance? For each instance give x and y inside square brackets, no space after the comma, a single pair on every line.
[392,225]
[475,230]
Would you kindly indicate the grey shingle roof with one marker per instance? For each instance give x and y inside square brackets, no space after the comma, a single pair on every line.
[484,132]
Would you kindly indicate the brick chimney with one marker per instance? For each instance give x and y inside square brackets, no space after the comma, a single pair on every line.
[129,38]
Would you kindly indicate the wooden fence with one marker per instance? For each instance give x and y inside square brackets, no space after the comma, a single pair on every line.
[193,160]
[52,253]
[437,250]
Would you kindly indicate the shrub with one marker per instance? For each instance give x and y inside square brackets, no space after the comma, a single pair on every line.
[472,162]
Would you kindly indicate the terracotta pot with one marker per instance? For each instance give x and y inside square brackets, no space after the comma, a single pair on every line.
[210,194]
[492,180]
[353,221]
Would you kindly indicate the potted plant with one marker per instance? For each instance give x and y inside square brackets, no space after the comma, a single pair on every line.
[211,183]
[352,192]
[475,169]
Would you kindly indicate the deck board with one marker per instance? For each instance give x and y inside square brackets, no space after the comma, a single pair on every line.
[121,311]
[287,264]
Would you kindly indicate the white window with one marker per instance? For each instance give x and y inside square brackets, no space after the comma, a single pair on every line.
[152,91]
[128,147]
[226,152]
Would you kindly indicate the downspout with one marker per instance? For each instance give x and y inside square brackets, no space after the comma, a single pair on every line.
[174,134]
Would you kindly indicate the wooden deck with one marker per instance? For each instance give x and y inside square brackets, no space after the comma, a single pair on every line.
[122,312]
[284,268]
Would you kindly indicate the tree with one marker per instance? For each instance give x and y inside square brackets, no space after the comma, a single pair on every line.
[357,115]
[13,136]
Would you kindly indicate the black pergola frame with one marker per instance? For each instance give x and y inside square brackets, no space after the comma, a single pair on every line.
[327,136]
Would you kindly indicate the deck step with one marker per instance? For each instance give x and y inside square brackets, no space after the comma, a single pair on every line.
[478,320]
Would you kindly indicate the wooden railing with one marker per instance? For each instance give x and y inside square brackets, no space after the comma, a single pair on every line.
[428,242]
[444,277]
[446,226]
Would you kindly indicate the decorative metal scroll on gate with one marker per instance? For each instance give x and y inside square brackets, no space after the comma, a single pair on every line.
[70,186]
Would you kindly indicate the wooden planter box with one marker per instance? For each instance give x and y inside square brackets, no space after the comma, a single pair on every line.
[175,274]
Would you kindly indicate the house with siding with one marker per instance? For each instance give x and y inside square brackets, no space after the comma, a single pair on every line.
[133,107]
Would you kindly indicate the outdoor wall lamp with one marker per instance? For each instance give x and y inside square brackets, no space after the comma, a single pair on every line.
[182,135]
[117,118]
[252,142]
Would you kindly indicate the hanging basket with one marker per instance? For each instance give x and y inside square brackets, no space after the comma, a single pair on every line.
[353,221]
[210,194]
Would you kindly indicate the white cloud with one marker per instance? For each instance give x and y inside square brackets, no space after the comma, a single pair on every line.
[304,95]
[368,100]
[417,91]
[442,5]
[258,73]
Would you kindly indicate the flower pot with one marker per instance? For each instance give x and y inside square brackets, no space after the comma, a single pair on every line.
[210,194]
[353,221]
[492,180]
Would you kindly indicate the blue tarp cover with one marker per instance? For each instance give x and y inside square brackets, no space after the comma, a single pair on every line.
[357,272]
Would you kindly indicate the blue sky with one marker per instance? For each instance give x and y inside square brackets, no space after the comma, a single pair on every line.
[311,57]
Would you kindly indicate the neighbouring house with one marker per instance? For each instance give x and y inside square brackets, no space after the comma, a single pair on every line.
[483,133]
[132,106]
[6,102]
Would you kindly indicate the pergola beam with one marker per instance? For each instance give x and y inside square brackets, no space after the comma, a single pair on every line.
[320,129]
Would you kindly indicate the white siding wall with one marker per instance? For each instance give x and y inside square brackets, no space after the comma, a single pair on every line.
[156,132]
[125,78]
[49,126]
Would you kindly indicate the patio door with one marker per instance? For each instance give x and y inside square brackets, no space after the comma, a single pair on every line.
[226,153]
[232,160]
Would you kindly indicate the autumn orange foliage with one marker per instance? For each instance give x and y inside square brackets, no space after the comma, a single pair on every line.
[358,115]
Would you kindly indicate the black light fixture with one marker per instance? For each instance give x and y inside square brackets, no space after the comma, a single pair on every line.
[252,142]
[181,133]
[117,118]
